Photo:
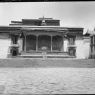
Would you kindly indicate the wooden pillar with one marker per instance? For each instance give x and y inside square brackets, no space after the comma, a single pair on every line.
[25,43]
[51,43]
[36,43]
[20,43]
[63,44]
[93,43]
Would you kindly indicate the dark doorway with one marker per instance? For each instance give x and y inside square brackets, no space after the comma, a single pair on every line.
[44,41]
[30,42]
[57,43]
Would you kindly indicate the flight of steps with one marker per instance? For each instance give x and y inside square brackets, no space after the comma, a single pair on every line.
[46,55]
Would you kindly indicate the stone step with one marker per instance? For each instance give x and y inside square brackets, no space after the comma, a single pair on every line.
[46,56]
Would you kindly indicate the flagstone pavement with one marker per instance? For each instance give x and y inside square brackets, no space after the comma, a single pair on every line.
[55,80]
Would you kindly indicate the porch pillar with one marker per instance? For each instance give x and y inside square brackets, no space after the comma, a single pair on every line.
[51,43]
[93,44]
[20,43]
[63,44]
[25,43]
[36,43]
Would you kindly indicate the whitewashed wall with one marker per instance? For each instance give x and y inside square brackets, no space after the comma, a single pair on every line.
[20,43]
[82,48]
[79,48]
[86,47]
[65,45]
[4,47]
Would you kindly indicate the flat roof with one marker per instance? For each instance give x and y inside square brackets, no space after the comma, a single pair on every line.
[24,26]
[16,29]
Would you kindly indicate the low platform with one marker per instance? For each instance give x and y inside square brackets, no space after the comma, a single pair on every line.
[46,55]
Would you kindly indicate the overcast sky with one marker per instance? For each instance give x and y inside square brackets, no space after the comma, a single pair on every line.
[71,14]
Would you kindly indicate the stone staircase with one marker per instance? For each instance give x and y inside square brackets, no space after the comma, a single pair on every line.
[46,55]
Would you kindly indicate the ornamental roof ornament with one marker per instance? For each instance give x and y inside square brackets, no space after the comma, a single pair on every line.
[43,22]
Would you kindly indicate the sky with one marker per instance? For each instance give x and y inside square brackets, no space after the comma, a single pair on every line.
[70,14]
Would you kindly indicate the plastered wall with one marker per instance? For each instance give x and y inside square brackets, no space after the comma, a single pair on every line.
[86,47]
[4,47]
[20,43]
[79,49]
[65,45]
[82,47]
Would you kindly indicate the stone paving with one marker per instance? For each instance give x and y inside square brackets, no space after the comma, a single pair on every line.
[47,81]
[46,63]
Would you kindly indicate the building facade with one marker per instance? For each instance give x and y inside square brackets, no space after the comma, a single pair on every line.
[91,34]
[35,36]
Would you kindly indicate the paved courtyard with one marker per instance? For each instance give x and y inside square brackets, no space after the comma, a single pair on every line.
[51,80]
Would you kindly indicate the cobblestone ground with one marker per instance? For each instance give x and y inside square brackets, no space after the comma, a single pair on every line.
[47,80]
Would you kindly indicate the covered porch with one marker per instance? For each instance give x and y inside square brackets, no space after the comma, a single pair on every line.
[45,39]
[41,43]
[36,42]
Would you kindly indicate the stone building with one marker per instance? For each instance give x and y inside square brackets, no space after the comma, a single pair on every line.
[33,37]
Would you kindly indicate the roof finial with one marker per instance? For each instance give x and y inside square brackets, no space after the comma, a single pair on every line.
[43,17]
[43,21]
